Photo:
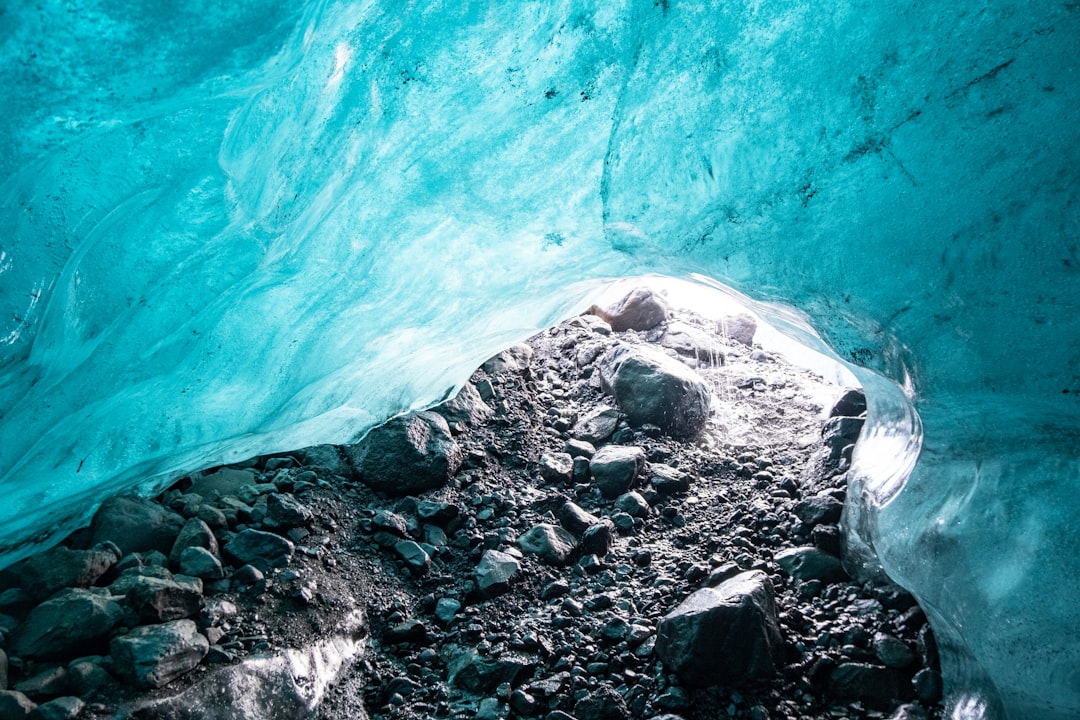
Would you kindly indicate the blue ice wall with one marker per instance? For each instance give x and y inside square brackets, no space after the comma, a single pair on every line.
[232,228]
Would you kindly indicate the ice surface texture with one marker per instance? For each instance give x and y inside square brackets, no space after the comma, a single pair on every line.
[232,228]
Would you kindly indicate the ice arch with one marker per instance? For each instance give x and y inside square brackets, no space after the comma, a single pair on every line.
[237,227]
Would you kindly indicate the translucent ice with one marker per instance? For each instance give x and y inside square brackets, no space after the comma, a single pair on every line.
[231,228]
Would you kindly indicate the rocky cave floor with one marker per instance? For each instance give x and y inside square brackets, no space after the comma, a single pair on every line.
[404,610]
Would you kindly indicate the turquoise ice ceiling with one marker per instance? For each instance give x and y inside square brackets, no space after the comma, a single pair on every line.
[232,228]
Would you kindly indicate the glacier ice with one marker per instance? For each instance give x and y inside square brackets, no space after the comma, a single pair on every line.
[236,228]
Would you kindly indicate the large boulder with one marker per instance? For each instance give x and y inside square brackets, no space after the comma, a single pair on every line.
[60,567]
[74,621]
[195,533]
[724,634]
[810,563]
[465,407]
[136,525]
[640,309]
[159,600]
[740,327]
[653,388]
[615,468]
[154,655]
[261,549]
[408,455]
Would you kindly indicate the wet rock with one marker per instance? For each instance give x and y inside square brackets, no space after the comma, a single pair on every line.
[556,467]
[851,403]
[667,480]
[819,509]
[516,358]
[595,427]
[154,655]
[740,327]
[602,704]
[15,706]
[324,456]
[633,504]
[60,567]
[473,672]
[693,342]
[260,549]
[465,407]
[579,448]
[71,621]
[495,572]
[652,388]
[285,511]
[195,533]
[48,683]
[408,455]
[909,712]
[87,675]
[575,519]
[892,652]
[810,563]
[135,525]
[724,634]
[615,468]
[61,708]
[878,687]
[550,543]
[415,557]
[640,309]
[446,609]
[159,600]
[928,686]
[201,563]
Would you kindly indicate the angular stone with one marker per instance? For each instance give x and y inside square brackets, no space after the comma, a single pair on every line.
[15,706]
[285,511]
[47,683]
[408,455]
[515,358]
[652,388]
[60,567]
[476,673]
[598,538]
[154,655]
[494,572]
[615,468]
[724,634]
[851,403]
[633,504]
[261,549]
[61,708]
[324,456]
[550,543]
[465,407]
[446,609]
[74,621]
[195,533]
[575,519]
[201,563]
[556,467]
[640,309]
[416,558]
[596,426]
[892,651]
[667,480]
[158,600]
[136,525]
[819,509]
[810,563]
[602,704]
[740,328]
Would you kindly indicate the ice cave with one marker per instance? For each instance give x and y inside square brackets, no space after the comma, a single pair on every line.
[232,228]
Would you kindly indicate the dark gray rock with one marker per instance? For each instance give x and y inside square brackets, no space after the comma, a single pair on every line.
[556,467]
[602,704]
[87,675]
[465,407]
[3,670]
[415,557]
[324,456]
[740,328]
[47,683]
[516,358]
[810,563]
[195,533]
[135,525]
[201,563]
[579,448]
[550,543]
[640,309]
[615,468]
[909,712]
[878,687]
[928,686]
[892,652]
[851,403]
[652,388]
[60,567]
[158,600]
[408,455]
[495,572]
[692,342]
[61,708]
[575,519]
[819,509]
[633,504]
[154,655]
[598,538]
[261,549]
[595,427]
[724,634]
[667,480]
[15,706]
[285,511]
[73,621]
[473,672]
